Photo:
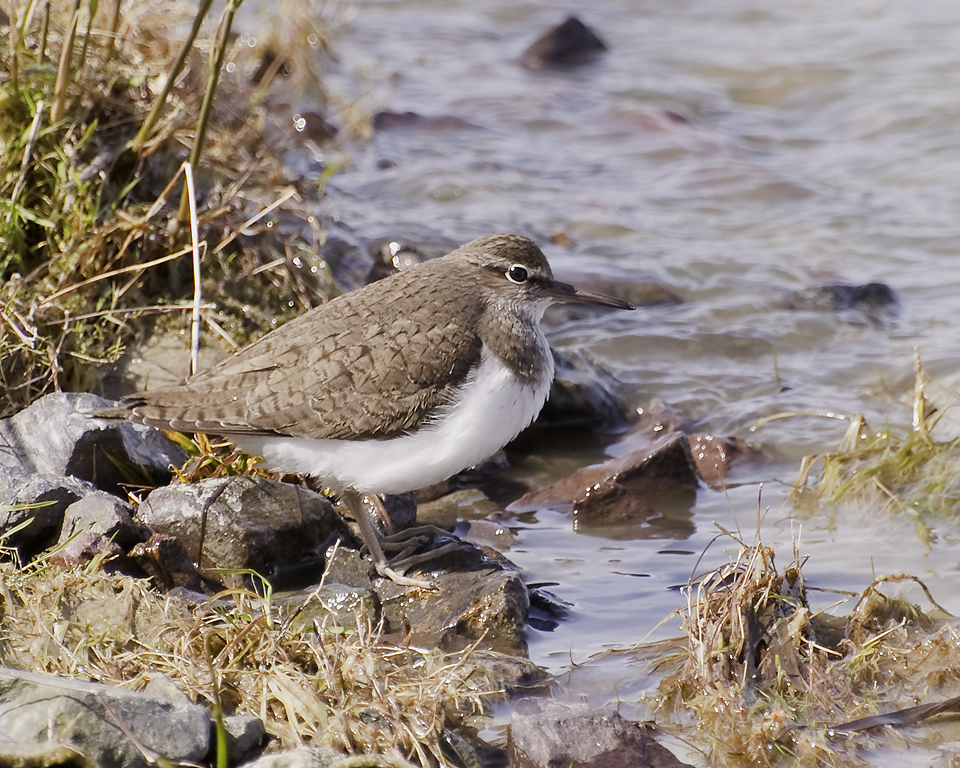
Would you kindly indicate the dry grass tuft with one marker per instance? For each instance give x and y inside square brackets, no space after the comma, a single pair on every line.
[767,679]
[92,230]
[311,682]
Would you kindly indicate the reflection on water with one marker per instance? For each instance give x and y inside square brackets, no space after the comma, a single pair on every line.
[735,153]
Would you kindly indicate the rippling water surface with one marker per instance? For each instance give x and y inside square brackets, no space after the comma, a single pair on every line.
[734,152]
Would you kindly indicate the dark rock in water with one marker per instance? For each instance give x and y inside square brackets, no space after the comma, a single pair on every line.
[665,461]
[111,727]
[713,456]
[545,733]
[242,522]
[166,561]
[384,121]
[582,395]
[40,499]
[569,44]
[867,297]
[55,436]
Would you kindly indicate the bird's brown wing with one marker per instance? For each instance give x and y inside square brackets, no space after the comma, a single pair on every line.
[373,363]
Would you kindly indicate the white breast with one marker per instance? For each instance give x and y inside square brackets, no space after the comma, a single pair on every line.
[491,409]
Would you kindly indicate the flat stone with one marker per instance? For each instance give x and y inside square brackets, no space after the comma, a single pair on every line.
[545,733]
[243,522]
[57,436]
[96,719]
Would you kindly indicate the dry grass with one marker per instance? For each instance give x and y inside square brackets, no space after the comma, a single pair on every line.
[310,681]
[767,679]
[91,144]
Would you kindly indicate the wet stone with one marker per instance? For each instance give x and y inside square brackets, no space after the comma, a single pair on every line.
[242,522]
[476,598]
[56,436]
[569,44]
[582,394]
[386,120]
[833,298]
[545,733]
[302,757]
[465,504]
[663,462]
[715,456]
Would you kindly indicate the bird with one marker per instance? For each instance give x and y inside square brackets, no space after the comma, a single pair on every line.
[390,388]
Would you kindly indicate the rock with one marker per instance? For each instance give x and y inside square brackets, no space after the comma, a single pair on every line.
[83,548]
[515,675]
[104,514]
[242,522]
[40,499]
[867,297]
[663,462]
[56,436]
[46,755]
[167,562]
[95,720]
[582,395]
[245,736]
[452,508]
[333,604]
[545,733]
[476,598]
[302,757]
[714,456]
[569,44]
[384,121]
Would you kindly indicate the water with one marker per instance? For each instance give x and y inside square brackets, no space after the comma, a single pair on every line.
[734,152]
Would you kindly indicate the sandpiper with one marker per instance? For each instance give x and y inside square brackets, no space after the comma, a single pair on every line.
[392,387]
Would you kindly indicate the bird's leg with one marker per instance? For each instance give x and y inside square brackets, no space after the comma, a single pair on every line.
[371,538]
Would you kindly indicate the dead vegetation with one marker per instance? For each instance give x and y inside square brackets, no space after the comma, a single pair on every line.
[311,679]
[97,115]
[770,681]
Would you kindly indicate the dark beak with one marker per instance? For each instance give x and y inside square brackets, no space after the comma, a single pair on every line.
[570,294]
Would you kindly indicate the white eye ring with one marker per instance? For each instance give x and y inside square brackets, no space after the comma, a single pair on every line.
[518,274]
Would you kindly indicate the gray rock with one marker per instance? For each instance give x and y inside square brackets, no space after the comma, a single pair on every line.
[56,436]
[477,598]
[545,733]
[35,709]
[102,513]
[40,499]
[243,522]
[303,757]
[245,735]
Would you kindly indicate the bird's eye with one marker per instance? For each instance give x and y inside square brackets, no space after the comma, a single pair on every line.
[517,274]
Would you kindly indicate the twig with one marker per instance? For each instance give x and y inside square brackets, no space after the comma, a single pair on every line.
[197,290]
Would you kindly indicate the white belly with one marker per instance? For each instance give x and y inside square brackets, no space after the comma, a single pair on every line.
[491,410]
